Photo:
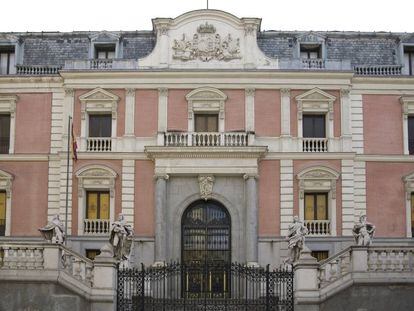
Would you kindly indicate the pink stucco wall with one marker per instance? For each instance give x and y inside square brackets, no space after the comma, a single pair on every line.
[146,113]
[383,125]
[177,110]
[144,198]
[29,196]
[267,112]
[120,129]
[294,111]
[386,197]
[116,165]
[235,110]
[33,123]
[300,165]
[269,198]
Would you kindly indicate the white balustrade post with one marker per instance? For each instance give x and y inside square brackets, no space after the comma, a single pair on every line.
[306,282]
[51,257]
[359,258]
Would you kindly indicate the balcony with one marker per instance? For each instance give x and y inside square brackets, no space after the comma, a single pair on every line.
[37,70]
[318,227]
[101,64]
[380,70]
[96,226]
[206,139]
[98,144]
[314,144]
[315,64]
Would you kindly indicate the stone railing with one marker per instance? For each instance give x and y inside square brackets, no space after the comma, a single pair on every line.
[99,144]
[314,144]
[313,63]
[36,70]
[206,139]
[29,262]
[334,267]
[96,226]
[101,64]
[390,259]
[380,70]
[318,227]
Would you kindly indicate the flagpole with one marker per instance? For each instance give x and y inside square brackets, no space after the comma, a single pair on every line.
[67,181]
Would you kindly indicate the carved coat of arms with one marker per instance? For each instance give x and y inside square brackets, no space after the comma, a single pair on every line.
[206,186]
[206,45]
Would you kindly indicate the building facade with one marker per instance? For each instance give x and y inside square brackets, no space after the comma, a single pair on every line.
[209,135]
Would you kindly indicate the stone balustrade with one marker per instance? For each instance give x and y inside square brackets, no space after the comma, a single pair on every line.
[36,70]
[311,144]
[101,64]
[334,267]
[318,227]
[99,144]
[206,139]
[96,226]
[390,259]
[379,70]
[24,257]
[77,266]
[313,63]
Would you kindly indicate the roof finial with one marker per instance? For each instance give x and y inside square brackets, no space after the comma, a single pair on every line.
[207,4]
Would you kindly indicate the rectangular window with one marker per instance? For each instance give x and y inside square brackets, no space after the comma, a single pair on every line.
[412,215]
[7,61]
[2,213]
[100,125]
[316,206]
[411,134]
[310,51]
[97,205]
[4,133]
[409,60]
[92,253]
[206,122]
[320,255]
[314,126]
[105,51]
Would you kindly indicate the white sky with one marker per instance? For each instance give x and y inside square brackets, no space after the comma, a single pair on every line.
[69,15]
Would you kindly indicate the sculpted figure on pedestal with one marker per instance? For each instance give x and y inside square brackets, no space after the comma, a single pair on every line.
[121,238]
[296,240]
[54,231]
[363,231]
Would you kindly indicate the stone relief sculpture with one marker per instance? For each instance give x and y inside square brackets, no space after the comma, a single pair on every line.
[296,240]
[206,45]
[363,231]
[121,238]
[206,183]
[54,231]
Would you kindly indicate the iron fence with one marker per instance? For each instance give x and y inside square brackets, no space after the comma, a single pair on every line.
[204,287]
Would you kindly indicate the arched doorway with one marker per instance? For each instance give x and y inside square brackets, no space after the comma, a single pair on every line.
[206,234]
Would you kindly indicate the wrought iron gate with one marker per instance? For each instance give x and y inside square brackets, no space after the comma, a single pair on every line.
[177,287]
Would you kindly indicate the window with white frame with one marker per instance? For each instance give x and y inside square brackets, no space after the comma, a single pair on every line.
[315,120]
[105,45]
[96,199]
[7,60]
[408,60]
[98,121]
[5,202]
[317,200]
[407,103]
[7,123]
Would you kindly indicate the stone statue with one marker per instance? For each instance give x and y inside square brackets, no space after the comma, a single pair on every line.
[296,239]
[121,238]
[363,231]
[54,231]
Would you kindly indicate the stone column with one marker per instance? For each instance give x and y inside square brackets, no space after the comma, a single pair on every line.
[251,220]
[249,114]
[162,115]
[286,141]
[160,218]
[129,137]
[346,121]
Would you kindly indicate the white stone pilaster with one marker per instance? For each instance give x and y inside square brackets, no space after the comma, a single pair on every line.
[286,195]
[249,109]
[357,123]
[285,112]
[160,218]
[346,121]
[58,115]
[128,190]
[53,195]
[348,203]
[130,112]
[251,219]
[62,192]
[360,192]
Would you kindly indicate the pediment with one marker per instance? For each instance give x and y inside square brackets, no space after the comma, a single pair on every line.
[315,94]
[311,37]
[99,94]
[206,94]
[104,36]
[8,38]
[95,171]
[321,173]
[408,38]
[209,39]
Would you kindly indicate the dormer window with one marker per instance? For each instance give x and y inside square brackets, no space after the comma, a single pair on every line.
[106,51]
[7,60]
[408,60]
[310,51]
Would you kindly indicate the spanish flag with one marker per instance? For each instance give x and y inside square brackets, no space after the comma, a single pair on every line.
[74,145]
